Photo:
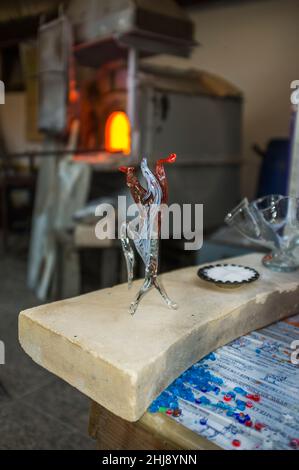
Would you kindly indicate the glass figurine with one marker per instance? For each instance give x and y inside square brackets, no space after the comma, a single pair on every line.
[146,233]
[272,221]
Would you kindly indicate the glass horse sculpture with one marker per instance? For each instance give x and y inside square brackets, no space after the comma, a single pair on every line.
[146,232]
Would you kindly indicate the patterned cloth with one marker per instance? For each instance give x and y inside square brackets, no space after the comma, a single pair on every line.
[245,395]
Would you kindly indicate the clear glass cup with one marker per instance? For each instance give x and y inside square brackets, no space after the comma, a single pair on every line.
[272,221]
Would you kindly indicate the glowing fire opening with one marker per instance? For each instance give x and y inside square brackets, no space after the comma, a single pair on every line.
[117,133]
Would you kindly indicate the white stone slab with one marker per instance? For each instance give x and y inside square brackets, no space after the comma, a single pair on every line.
[124,362]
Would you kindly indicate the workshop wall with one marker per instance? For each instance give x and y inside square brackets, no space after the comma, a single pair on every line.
[253,44]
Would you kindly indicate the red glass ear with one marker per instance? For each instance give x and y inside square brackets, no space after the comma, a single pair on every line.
[161,175]
[123,169]
[170,159]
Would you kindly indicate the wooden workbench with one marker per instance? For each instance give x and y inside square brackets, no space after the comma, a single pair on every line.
[123,363]
[153,431]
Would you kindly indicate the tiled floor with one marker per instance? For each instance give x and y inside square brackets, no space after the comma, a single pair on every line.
[37,410]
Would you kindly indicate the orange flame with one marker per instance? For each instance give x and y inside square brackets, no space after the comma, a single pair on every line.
[117,133]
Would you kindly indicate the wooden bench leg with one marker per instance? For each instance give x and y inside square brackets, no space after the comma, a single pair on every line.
[114,433]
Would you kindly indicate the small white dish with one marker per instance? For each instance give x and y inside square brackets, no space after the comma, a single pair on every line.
[228,275]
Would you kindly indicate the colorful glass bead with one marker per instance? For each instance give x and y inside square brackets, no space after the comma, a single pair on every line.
[221,405]
[173,405]
[153,408]
[259,426]
[217,380]
[241,418]
[227,398]
[211,357]
[205,401]
[294,443]
[236,443]
[255,397]
[203,421]
[162,409]
[241,405]
[177,412]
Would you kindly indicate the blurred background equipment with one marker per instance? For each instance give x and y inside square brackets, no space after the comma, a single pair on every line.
[94,62]
[55,43]
[127,109]
[275,166]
